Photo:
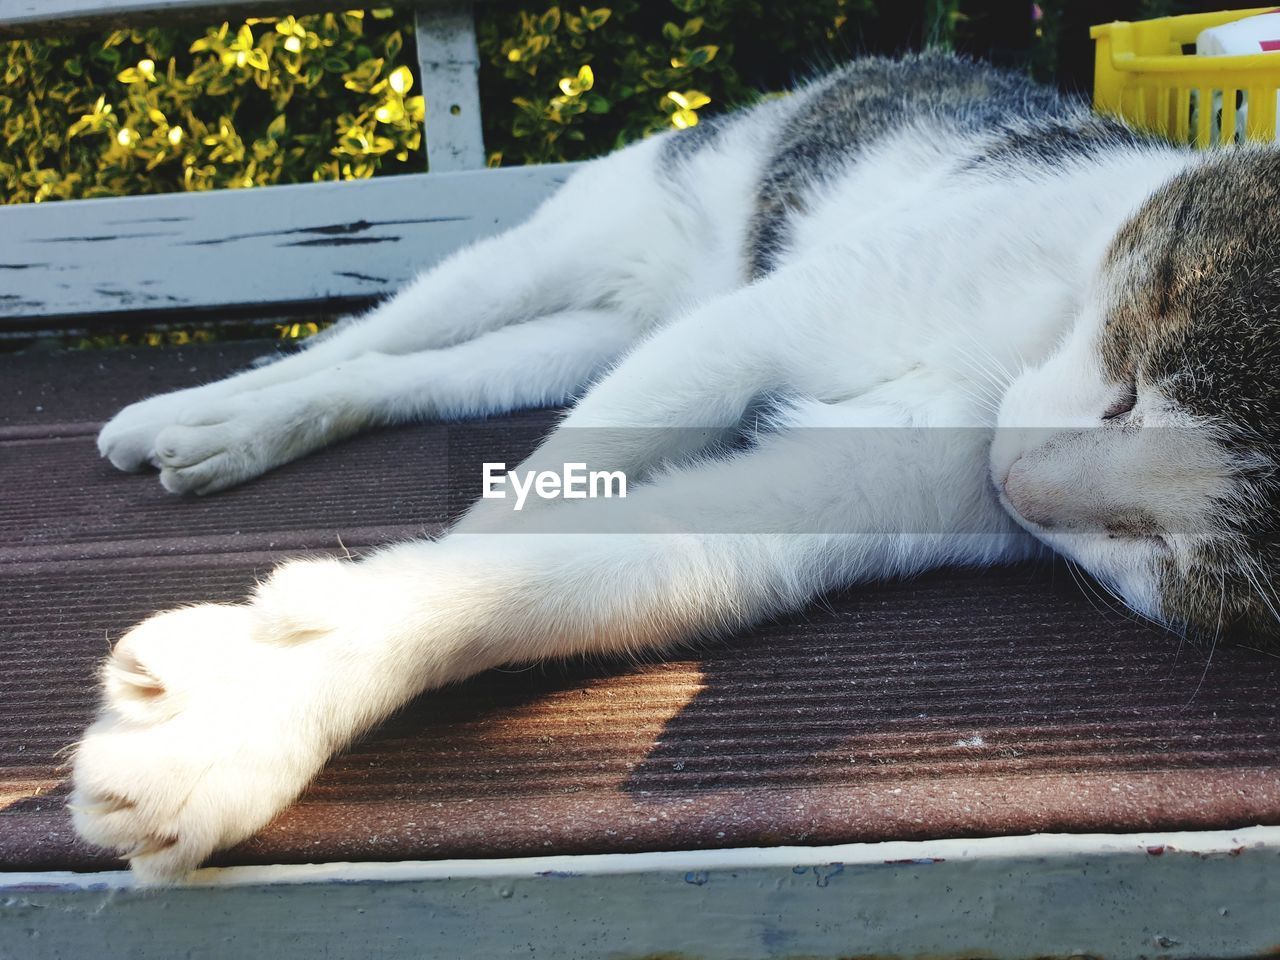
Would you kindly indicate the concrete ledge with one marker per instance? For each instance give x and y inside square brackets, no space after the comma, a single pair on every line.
[1201,894]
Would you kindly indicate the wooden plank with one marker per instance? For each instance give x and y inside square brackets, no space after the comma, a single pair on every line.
[1176,895]
[27,18]
[302,244]
[449,65]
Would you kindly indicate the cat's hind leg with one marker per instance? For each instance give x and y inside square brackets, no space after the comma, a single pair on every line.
[695,383]
[579,251]
[543,362]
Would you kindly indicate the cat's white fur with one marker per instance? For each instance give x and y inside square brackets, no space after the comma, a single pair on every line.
[908,298]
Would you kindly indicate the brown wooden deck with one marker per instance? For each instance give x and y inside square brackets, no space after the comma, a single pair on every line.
[960,704]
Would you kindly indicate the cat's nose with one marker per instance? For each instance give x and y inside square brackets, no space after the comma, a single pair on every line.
[1081,493]
[1026,492]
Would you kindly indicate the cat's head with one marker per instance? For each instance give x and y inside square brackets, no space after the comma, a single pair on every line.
[1145,448]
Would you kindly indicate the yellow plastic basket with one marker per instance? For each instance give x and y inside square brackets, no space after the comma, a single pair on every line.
[1143,73]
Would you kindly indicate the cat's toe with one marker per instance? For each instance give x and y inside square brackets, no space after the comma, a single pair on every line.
[165,797]
[206,459]
[131,794]
[187,446]
[218,472]
[161,664]
[128,447]
[199,459]
[128,439]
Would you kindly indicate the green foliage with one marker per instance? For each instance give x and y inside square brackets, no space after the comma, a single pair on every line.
[568,82]
[263,101]
[332,96]
[326,97]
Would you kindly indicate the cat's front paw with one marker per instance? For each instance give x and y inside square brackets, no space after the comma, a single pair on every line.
[204,735]
[128,439]
[227,441]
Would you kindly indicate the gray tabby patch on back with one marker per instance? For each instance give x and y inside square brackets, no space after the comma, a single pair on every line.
[868,100]
[1054,142]
[685,144]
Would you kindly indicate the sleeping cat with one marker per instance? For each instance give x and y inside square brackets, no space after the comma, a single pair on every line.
[920,312]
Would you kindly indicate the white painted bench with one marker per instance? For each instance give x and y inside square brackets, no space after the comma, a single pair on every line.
[1157,894]
[326,245]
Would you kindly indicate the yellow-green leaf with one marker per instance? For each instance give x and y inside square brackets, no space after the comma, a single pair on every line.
[401,80]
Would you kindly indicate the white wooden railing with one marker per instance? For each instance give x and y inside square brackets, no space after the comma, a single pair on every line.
[270,248]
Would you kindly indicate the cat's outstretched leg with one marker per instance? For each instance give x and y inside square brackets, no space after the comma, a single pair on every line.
[230,440]
[690,384]
[216,717]
[589,247]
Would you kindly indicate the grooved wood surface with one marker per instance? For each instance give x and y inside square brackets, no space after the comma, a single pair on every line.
[959,704]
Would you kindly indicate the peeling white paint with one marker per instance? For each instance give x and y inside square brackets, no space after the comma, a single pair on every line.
[299,244]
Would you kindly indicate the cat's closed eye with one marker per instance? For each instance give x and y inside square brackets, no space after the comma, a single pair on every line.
[1124,403]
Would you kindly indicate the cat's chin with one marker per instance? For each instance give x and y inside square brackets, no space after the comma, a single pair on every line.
[1125,571]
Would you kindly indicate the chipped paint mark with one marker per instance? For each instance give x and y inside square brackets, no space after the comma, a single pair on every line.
[115,223]
[341,241]
[776,939]
[328,230]
[916,861]
[824,874]
[1157,850]
[362,276]
[358,226]
[103,238]
[697,877]
[559,874]
[131,296]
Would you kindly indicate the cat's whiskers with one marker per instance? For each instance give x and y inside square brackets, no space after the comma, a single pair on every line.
[1112,599]
[978,383]
[1213,644]
[1087,588]
[985,352]
[986,375]
[983,402]
[1247,566]
[999,365]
